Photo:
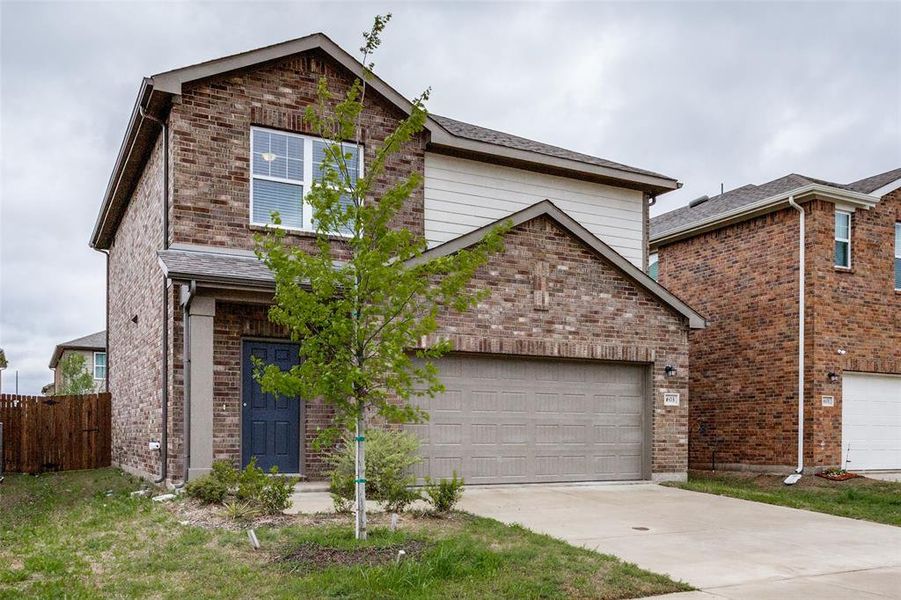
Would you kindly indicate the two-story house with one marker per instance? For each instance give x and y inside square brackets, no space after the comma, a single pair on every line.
[575,368]
[737,257]
[92,348]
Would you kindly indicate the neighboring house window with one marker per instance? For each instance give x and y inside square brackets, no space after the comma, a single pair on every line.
[898,256]
[653,266]
[842,239]
[100,365]
[283,167]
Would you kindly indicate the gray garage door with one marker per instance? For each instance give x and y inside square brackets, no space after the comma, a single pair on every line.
[505,420]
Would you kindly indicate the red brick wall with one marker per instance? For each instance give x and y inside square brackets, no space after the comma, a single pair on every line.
[211,124]
[592,312]
[743,278]
[233,323]
[857,311]
[743,378]
[135,290]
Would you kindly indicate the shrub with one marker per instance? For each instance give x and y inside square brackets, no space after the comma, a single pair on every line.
[445,494]
[250,489]
[390,455]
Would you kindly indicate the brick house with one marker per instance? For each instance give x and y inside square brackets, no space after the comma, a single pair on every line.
[559,375]
[735,257]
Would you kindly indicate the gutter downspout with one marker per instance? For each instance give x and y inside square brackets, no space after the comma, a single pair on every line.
[164,434]
[106,379]
[793,478]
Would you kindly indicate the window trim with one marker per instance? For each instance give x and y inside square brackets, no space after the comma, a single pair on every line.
[846,240]
[94,365]
[653,257]
[305,184]
[897,231]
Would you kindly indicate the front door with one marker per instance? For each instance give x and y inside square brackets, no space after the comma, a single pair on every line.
[270,430]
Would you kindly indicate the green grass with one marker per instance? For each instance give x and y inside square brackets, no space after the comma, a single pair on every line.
[862,498]
[81,535]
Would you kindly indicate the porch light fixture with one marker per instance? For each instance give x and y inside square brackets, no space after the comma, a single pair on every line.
[670,370]
[832,376]
[268,156]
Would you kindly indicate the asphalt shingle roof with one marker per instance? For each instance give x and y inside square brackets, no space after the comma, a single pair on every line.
[204,266]
[508,140]
[94,340]
[748,194]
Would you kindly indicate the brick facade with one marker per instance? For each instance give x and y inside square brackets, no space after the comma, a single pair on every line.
[592,311]
[586,309]
[744,279]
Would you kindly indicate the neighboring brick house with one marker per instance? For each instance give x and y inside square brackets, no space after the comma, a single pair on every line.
[559,375]
[93,348]
[735,258]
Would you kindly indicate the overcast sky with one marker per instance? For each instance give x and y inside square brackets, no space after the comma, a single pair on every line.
[708,93]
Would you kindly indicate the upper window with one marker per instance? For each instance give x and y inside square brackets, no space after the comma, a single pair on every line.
[283,167]
[100,365]
[653,266]
[898,256]
[842,239]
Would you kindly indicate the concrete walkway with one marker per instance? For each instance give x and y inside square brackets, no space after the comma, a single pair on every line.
[727,548]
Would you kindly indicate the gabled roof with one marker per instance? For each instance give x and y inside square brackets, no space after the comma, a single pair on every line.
[94,341]
[751,200]
[548,209]
[445,135]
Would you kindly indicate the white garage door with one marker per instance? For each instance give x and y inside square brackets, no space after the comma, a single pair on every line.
[505,420]
[871,421]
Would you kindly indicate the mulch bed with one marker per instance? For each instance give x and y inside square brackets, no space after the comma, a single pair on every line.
[843,476]
[311,555]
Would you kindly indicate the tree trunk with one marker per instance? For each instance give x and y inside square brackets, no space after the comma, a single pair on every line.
[360,521]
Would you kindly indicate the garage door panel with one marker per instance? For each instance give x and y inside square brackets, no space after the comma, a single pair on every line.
[506,420]
[871,421]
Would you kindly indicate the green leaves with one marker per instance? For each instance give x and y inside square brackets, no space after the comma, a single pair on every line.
[360,302]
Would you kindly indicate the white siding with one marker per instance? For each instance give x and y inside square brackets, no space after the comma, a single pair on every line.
[462,195]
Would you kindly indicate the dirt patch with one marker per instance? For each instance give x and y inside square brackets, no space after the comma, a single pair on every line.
[313,556]
[770,482]
[210,516]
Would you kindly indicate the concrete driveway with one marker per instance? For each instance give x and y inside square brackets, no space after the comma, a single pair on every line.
[726,547]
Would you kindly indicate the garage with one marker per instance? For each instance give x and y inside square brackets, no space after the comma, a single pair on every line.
[871,421]
[515,420]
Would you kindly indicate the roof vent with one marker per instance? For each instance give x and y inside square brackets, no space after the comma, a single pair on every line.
[698,201]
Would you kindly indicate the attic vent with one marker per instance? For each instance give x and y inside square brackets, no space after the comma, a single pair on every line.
[698,201]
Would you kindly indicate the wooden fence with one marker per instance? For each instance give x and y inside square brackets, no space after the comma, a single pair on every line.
[55,433]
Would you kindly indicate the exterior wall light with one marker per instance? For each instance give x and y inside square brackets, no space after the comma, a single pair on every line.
[670,370]
[832,376]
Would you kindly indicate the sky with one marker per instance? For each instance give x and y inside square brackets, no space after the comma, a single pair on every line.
[709,93]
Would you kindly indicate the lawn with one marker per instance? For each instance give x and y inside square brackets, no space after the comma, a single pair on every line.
[82,535]
[861,498]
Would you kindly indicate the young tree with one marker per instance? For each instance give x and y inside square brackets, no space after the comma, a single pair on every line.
[76,379]
[358,306]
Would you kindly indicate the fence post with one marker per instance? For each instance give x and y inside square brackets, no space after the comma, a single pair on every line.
[2,455]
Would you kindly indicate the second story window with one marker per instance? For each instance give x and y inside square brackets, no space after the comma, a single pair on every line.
[898,256]
[283,167]
[654,266]
[100,365]
[842,239]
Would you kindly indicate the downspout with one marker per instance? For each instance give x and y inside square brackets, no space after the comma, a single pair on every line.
[792,479]
[164,359]
[106,379]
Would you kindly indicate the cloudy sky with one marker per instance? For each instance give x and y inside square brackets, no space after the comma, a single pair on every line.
[709,93]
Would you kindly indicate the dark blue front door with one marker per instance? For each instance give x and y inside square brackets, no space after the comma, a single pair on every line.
[270,429]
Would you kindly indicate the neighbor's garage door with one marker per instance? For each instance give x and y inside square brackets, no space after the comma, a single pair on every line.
[871,421]
[505,420]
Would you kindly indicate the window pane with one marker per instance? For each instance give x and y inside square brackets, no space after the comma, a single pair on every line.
[277,155]
[284,198]
[842,226]
[898,240]
[898,273]
[319,159]
[841,254]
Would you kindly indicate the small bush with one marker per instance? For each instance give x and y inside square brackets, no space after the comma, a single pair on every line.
[250,490]
[390,455]
[445,494]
